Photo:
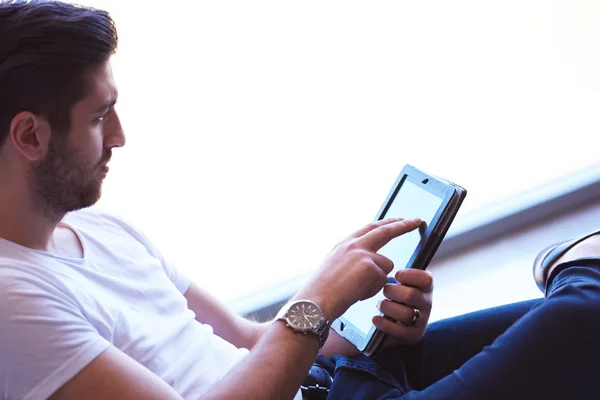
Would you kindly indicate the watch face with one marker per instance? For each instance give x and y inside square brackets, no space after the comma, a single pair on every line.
[304,315]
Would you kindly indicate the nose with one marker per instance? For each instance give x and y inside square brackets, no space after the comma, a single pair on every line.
[115,136]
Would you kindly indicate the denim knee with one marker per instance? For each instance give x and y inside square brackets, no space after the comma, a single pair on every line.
[585,270]
[575,297]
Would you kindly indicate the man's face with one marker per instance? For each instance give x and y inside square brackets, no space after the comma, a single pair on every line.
[70,176]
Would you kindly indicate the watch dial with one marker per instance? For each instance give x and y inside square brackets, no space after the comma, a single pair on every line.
[304,315]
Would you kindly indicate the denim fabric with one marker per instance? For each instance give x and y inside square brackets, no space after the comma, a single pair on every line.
[540,349]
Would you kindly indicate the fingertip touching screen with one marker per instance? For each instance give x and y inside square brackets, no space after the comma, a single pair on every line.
[411,201]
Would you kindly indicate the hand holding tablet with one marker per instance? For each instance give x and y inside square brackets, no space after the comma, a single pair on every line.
[415,194]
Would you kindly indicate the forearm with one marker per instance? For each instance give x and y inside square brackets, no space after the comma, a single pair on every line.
[252,333]
[335,344]
[234,328]
[280,359]
[274,369]
[338,345]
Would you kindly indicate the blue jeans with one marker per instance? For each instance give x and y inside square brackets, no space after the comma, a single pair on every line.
[540,349]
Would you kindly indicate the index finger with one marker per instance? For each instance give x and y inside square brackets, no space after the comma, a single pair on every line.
[380,236]
[373,225]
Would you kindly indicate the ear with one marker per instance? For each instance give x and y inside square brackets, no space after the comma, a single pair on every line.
[30,134]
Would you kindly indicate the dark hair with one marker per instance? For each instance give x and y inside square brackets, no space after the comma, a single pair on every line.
[46,50]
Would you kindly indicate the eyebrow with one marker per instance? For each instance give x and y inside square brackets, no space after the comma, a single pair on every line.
[107,106]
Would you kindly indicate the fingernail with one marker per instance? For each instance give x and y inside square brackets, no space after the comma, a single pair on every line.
[378,304]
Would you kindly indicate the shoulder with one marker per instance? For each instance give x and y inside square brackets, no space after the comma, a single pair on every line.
[35,303]
[26,290]
[95,215]
[101,225]
[97,219]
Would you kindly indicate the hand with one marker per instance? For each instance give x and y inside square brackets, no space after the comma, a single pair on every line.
[415,290]
[353,270]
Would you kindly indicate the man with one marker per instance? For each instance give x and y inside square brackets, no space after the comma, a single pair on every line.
[91,310]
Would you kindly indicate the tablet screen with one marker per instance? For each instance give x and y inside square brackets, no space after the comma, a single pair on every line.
[410,201]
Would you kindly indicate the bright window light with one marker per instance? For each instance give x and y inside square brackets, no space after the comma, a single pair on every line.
[260,133]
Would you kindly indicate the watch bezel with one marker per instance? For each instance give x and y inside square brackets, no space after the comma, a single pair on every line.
[311,328]
[320,328]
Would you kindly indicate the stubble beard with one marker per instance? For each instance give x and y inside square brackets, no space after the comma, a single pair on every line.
[65,181]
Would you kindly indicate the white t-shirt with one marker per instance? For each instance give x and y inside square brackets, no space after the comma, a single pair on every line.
[58,313]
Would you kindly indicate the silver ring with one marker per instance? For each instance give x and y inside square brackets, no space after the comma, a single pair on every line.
[415,317]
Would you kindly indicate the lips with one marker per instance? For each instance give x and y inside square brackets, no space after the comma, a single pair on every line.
[104,167]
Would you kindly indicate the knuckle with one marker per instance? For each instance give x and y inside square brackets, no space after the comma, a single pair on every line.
[412,296]
[366,266]
[362,256]
[349,245]
[386,230]
[371,266]
[404,295]
[353,245]
[375,224]
[399,312]
[396,292]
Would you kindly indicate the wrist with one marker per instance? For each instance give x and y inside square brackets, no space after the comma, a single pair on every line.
[324,303]
[309,341]
[305,316]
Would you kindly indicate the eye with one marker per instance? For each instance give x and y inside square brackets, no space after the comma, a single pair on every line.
[102,118]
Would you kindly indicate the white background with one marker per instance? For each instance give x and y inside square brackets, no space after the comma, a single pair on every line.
[262,132]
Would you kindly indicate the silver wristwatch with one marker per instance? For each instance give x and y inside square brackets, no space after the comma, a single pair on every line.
[305,316]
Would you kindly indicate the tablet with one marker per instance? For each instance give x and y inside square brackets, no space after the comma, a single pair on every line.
[414,194]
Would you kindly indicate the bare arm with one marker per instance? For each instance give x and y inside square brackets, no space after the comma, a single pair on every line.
[230,326]
[267,340]
[280,359]
[114,375]
[353,271]
[243,332]
[415,291]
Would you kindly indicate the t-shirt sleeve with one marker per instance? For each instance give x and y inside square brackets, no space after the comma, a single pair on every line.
[179,279]
[45,340]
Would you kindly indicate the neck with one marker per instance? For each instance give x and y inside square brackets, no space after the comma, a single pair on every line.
[20,222]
